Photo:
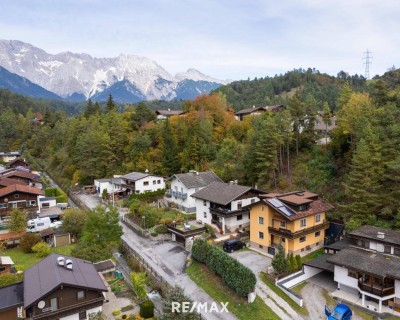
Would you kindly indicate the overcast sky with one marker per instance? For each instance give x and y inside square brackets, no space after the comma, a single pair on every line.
[232,39]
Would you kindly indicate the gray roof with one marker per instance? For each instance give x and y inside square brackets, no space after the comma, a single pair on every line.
[255,109]
[169,112]
[104,265]
[47,275]
[371,232]
[103,180]
[373,263]
[12,296]
[196,179]
[50,212]
[339,245]
[321,263]
[134,176]
[222,193]
[46,199]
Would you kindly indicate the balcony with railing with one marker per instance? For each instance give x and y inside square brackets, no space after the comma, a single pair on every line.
[377,289]
[226,212]
[177,194]
[300,233]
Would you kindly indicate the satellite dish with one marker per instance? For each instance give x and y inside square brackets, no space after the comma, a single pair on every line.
[41,304]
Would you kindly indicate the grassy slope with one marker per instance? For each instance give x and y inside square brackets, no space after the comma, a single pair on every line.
[219,291]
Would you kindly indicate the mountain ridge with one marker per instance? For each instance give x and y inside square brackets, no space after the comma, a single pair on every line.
[69,74]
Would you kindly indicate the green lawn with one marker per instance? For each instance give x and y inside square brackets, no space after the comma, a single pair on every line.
[312,255]
[23,260]
[219,291]
[297,289]
[300,310]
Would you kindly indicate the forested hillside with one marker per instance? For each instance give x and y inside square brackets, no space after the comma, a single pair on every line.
[358,172]
[278,89]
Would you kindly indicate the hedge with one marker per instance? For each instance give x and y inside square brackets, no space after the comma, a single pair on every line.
[233,273]
[150,196]
[56,193]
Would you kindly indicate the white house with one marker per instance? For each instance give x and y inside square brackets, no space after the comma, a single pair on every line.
[111,185]
[370,266]
[225,205]
[9,156]
[183,185]
[137,182]
[47,202]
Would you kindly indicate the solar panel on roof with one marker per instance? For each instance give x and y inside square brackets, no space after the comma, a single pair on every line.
[275,202]
[286,211]
[281,207]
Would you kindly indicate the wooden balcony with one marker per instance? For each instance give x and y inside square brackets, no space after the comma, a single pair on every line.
[180,230]
[48,313]
[224,212]
[376,289]
[300,233]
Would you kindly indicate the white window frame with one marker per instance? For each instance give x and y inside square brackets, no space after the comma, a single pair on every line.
[260,220]
[303,222]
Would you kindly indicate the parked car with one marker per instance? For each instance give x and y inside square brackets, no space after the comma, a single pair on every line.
[340,312]
[232,245]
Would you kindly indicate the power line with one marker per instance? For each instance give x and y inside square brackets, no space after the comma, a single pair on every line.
[368,60]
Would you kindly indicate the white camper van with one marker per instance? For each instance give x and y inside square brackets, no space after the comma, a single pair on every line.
[38,224]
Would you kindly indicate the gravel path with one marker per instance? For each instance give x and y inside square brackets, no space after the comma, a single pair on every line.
[315,302]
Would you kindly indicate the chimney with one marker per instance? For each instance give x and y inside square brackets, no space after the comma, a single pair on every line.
[380,235]
[254,107]
[147,170]
[169,109]
[235,182]
[68,264]
[231,182]
[61,261]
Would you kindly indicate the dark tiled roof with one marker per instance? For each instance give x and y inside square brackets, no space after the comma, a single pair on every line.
[51,212]
[46,232]
[321,263]
[12,296]
[10,163]
[104,265]
[373,263]
[339,245]
[222,193]
[196,179]
[371,232]
[19,188]
[23,174]
[134,176]
[169,112]
[11,235]
[295,199]
[47,275]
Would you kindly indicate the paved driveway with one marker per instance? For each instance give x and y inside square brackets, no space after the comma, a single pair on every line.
[253,260]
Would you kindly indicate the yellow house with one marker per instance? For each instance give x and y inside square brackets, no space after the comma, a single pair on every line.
[296,220]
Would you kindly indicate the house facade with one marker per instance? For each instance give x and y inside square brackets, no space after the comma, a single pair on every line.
[19,197]
[165,114]
[12,301]
[113,185]
[17,162]
[225,205]
[73,289]
[184,185]
[9,156]
[370,266]
[138,182]
[256,111]
[296,220]
[29,178]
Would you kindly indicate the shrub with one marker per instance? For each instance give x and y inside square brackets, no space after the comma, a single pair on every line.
[42,249]
[161,229]
[147,309]
[10,278]
[299,263]
[154,234]
[210,230]
[280,263]
[116,312]
[128,307]
[28,240]
[166,221]
[233,273]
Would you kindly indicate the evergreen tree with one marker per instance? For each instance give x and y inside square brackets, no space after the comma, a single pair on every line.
[89,111]
[110,105]
[279,262]
[141,116]
[18,221]
[363,187]
[326,118]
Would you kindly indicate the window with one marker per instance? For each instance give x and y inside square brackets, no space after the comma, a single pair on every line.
[3,205]
[262,208]
[158,181]
[318,217]
[154,181]
[396,251]
[302,239]
[303,222]
[253,200]
[317,234]
[204,202]
[282,239]
[317,244]
[205,215]
[260,220]
[282,224]
[388,249]
[2,269]
[145,183]
[54,304]
[260,246]
[16,195]
[80,295]
[302,250]
[239,205]
[82,315]
[302,207]
[352,274]
[239,217]
[261,235]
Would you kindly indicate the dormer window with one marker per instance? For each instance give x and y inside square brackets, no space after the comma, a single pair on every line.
[16,196]
[302,207]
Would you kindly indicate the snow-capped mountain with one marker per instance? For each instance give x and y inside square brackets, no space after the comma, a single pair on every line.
[76,75]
